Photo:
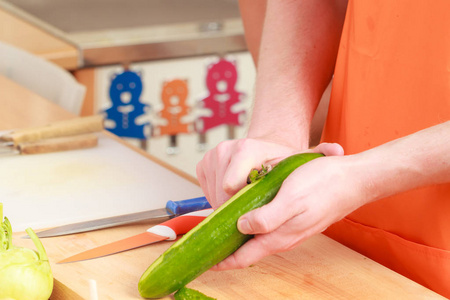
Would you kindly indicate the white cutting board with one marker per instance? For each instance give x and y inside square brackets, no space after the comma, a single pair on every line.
[46,190]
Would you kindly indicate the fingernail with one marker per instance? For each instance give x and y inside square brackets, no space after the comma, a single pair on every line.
[243,226]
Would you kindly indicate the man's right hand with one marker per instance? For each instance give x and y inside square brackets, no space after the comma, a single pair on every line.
[223,171]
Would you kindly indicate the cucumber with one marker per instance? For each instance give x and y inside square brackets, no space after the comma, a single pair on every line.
[189,294]
[216,237]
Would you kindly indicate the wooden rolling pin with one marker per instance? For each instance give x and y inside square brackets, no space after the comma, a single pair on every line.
[65,128]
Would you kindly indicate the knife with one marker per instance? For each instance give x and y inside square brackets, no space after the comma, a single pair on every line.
[82,141]
[172,209]
[70,127]
[164,231]
[65,135]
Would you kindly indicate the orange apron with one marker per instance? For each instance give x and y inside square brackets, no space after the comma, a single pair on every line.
[392,79]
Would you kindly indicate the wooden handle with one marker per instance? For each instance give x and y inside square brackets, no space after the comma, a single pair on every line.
[63,128]
[59,144]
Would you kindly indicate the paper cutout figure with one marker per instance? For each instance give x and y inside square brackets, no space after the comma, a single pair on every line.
[125,92]
[220,81]
[173,96]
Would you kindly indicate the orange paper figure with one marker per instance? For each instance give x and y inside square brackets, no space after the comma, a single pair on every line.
[174,95]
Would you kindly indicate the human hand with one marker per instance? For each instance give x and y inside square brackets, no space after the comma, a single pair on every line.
[223,171]
[313,197]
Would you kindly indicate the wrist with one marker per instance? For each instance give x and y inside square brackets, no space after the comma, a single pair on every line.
[383,172]
[298,141]
[287,124]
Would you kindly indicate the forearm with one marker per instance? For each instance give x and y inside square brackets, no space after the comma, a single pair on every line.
[296,62]
[417,160]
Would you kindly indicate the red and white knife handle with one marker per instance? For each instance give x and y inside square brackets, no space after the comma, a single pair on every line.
[181,224]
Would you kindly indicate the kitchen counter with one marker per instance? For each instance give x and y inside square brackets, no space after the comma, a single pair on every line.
[318,269]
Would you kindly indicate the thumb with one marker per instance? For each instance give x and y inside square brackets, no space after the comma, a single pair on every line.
[266,218]
[252,224]
[251,156]
[235,177]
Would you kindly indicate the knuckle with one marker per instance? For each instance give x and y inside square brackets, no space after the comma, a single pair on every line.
[205,160]
[243,144]
[221,151]
[228,187]
[268,246]
[223,147]
[240,264]
[233,262]
[260,224]
[199,169]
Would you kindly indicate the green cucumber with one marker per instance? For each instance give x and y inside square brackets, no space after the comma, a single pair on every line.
[190,294]
[216,237]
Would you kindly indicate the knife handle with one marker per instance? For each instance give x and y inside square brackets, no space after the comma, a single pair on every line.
[82,141]
[62,128]
[185,206]
[181,224]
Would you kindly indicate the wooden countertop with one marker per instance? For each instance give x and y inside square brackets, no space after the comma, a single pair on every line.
[319,269]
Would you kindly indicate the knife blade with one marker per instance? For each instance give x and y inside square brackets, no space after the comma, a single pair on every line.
[169,230]
[172,209]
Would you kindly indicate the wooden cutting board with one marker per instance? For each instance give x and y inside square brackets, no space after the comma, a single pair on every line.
[319,269]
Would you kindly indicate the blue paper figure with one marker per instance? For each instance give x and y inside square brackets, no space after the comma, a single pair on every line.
[125,92]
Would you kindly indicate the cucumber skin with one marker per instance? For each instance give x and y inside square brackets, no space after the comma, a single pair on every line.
[216,237]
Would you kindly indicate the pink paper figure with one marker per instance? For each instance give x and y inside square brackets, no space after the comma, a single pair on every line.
[220,81]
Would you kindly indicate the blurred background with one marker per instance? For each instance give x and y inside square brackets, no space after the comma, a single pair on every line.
[172,77]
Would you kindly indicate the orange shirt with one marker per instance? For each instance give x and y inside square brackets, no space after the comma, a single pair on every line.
[392,78]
